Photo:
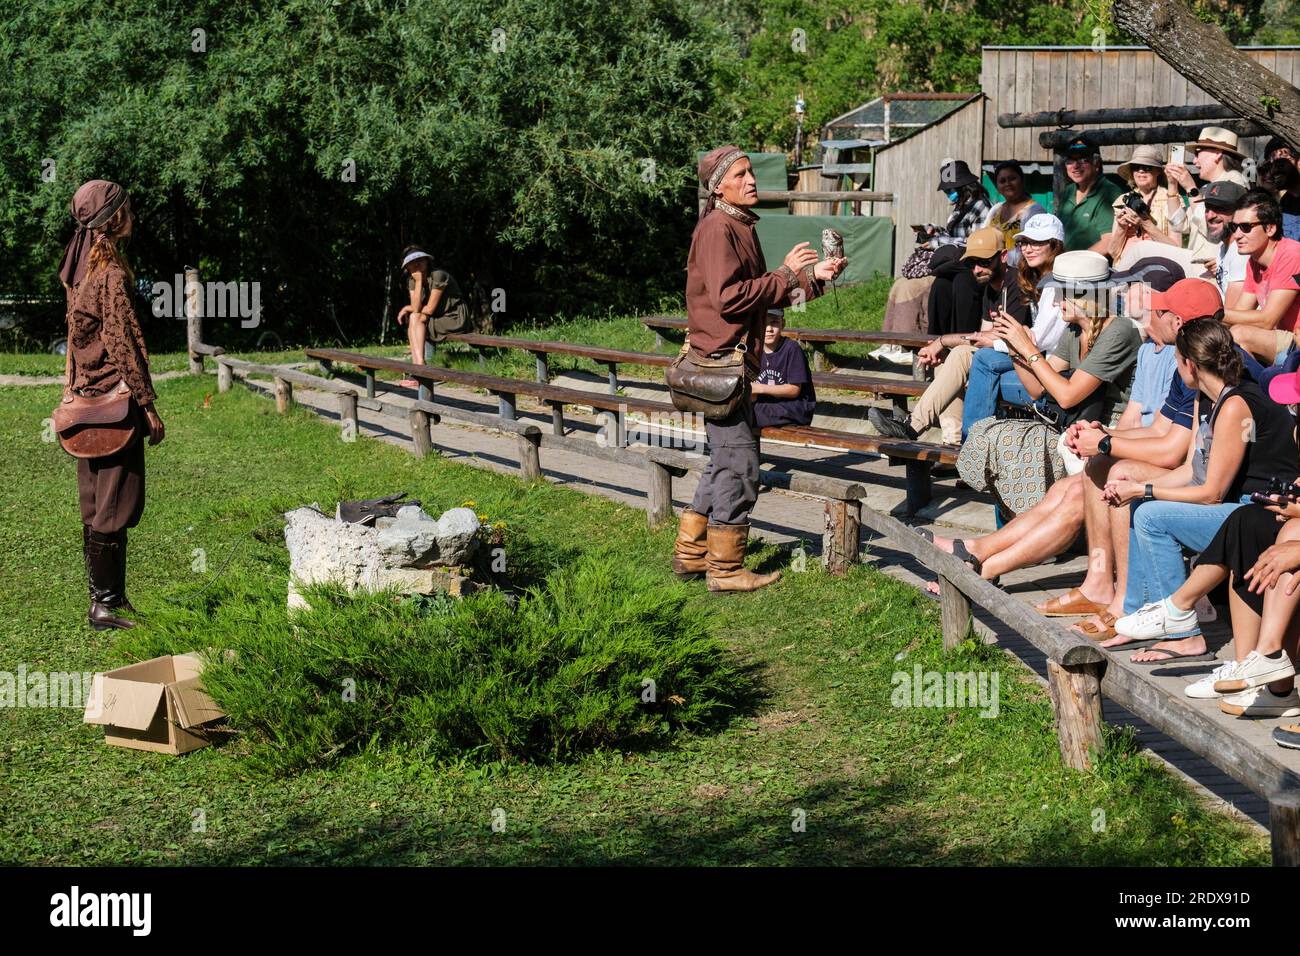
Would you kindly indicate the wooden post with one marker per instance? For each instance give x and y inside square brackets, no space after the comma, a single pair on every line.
[900,404]
[424,392]
[283,395]
[543,367]
[842,535]
[193,318]
[613,377]
[530,465]
[1284,827]
[224,377]
[919,489]
[819,357]
[659,341]
[506,406]
[348,415]
[420,438]
[659,494]
[557,418]
[1076,701]
[370,383]
[954,614]
[919,371]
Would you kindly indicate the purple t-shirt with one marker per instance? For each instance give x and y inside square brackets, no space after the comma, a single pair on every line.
[785,366]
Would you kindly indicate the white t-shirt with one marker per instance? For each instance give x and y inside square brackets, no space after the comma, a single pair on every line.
[1049,324]
[1232,268]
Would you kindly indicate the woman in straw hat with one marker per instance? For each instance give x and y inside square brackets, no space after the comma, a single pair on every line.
[1217,159]
[1143,211]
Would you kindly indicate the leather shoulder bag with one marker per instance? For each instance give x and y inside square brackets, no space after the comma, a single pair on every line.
[96,426]
[709,386]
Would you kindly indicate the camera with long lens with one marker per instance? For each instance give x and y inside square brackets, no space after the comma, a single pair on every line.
[1139,205]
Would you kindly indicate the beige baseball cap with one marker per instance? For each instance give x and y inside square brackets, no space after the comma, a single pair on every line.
[983,244]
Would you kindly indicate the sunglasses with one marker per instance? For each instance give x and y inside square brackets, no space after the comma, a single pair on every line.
[1075,160]
[985,263]
[1243,227]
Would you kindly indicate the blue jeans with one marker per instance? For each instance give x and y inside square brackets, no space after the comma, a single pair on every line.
[991,374]
[1158,532]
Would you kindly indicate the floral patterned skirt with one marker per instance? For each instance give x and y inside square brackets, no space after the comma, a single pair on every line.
[1016,460]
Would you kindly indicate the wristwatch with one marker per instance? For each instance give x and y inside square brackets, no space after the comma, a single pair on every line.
[1149,493]
[1194,192]
[1035,357]
[1103,446]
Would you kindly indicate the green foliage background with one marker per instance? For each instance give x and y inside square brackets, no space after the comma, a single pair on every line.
[543,147]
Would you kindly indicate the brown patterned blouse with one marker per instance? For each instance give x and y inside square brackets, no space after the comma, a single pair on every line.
[104,337]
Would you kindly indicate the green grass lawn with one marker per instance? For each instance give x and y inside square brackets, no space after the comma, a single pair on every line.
[871,783]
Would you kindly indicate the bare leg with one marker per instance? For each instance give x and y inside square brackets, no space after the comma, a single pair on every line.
[1203,579]
[1046,538]
[417,334]
[1018,527]
[1261,343]
[1099,583]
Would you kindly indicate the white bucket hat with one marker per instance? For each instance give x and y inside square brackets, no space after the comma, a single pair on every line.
[1078,274]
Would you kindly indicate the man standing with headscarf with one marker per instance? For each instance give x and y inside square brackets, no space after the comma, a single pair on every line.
[728,293]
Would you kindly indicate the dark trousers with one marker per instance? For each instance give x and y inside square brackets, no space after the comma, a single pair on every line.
[955,304]
[111,489]
[729,486]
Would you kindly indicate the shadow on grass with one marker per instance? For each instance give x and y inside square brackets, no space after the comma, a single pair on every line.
[844,823]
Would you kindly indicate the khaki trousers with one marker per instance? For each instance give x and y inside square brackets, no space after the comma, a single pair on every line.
[941,403]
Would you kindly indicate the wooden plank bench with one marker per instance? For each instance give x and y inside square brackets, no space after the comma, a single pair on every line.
[899,389]
[816,338]
[920,457]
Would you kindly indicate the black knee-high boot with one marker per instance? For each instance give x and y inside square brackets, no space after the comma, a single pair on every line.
[106,564]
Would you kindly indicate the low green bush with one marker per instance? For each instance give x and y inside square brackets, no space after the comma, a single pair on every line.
[601,654]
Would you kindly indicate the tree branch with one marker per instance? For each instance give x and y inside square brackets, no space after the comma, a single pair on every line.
[1202,53]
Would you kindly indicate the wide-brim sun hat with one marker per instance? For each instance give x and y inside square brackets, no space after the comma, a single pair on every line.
[1217,138]
[1079,274]
[1143,155]
[1042,227]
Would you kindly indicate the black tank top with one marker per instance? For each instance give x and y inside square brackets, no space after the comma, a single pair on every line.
[1271,451]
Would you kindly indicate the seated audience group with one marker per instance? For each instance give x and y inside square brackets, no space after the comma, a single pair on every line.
[1125,372]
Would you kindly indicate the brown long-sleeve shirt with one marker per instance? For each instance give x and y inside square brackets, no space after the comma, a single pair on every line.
[728,287]
[105,339]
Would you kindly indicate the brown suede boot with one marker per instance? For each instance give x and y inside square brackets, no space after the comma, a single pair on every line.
[690,557]
[727,570]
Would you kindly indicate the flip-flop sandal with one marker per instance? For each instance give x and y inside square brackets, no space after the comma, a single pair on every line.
[926,533]
[1095,633]
[1173,658]
[1070,604]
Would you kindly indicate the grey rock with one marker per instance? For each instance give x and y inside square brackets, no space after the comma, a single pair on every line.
[457,536]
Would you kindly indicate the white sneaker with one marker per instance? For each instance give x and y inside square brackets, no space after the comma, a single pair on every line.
[1206,612]
[1256,671]
[1161,619]
[1262,702]
[1203,689]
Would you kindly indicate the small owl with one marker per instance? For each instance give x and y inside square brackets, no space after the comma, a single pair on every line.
[832,244]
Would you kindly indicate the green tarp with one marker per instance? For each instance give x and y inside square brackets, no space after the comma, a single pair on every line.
[868,240]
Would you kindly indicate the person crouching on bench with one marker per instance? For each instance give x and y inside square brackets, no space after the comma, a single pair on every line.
[783,392]
[436,301]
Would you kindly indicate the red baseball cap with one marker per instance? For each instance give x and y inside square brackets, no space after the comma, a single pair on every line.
[1189,299]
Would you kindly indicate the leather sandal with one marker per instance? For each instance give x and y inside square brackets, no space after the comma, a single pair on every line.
[1095,633]
[1070,604]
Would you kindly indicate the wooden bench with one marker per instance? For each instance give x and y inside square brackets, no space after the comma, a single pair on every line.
[898,389]
[919,457]
[816,338]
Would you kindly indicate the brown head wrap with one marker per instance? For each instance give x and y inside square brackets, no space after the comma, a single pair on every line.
[92,205]
[713,166]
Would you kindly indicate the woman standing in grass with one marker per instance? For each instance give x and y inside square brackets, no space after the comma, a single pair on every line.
[105,349]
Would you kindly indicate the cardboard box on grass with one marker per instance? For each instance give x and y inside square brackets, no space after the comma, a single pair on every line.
[157,705]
